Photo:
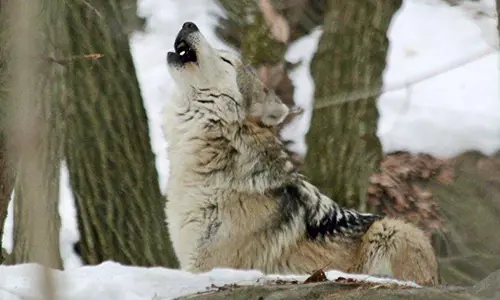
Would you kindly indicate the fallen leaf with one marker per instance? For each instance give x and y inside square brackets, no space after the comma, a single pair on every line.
[317,276]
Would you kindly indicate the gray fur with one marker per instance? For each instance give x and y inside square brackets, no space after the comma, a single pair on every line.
[235,199]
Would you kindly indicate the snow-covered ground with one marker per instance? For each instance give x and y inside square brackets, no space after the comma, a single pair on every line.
[112,281]
[443,97]
[453,111]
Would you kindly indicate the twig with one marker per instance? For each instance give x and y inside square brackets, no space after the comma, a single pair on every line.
[354,96]
[65,61]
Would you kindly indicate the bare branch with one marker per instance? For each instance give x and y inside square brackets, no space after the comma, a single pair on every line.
[65,61]
[354,96]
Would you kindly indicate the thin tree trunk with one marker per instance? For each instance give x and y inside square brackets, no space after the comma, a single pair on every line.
[498,20]
[6,176]
[35,89]
[343,148]
[112,167]
[6,185]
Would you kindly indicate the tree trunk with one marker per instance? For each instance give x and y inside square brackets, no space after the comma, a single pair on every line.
[111,165]
[34,129]
[498,20]
[6,176]
[6,183]
[343,148]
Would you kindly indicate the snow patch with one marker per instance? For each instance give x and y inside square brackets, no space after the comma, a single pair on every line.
[112,281]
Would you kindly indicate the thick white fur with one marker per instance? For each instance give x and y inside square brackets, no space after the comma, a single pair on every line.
[235,199]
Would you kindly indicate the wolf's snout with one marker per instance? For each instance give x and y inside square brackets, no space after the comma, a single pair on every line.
[187,29]
[185,51]
[190,26]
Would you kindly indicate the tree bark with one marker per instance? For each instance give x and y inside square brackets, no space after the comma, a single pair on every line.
[34,129]
[111,165]
[6,176]
[343,148]
[498,20]
[6,184]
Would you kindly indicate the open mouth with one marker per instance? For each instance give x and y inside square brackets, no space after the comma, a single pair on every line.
[184,51]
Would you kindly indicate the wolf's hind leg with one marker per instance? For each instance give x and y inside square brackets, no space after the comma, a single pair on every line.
[394,248]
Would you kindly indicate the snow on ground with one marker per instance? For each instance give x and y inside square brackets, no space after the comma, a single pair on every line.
[455,111]
[442,114]
[112,281]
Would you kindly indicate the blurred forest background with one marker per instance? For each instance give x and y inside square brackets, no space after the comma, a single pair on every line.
[84,107]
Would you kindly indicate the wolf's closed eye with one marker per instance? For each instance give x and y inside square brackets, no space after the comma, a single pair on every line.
[226,61]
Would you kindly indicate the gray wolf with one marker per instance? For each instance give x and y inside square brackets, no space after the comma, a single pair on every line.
[235,199]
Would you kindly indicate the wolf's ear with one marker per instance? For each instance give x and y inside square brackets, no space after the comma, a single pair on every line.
[262,103]
[271,112]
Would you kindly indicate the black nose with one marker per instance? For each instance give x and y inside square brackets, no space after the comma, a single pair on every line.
[190,26]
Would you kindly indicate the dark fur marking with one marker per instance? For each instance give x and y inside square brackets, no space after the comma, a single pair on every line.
[212,229]
[347,223]
[256,173]
[211,213]
[185,117]
[218,96]
[290,201]
[205,101]
[231,98]
[227,61]
[214,122]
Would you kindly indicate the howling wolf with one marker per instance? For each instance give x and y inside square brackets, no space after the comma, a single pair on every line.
[235,199]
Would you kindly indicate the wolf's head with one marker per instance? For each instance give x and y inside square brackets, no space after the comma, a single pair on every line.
[218,81]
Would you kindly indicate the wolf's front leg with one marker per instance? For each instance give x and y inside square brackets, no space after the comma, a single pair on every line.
[394,248]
